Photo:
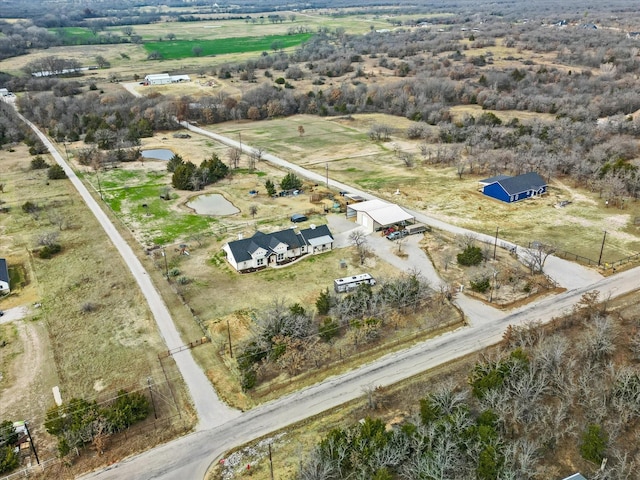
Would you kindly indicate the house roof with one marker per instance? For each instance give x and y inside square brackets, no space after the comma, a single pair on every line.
[242,249]
[575,476]
[316,232]
[320,235]
[382,212]
[522,183]
[157,76]
[4,270]
[490,180]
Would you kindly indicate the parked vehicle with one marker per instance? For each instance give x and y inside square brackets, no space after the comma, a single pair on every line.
[396,235]
[350,283]
[298,217]
[416,228]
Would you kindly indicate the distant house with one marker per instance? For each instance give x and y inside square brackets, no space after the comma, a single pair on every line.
[278,248]
[4,276]
[5,92]
[512,189]
[165,79]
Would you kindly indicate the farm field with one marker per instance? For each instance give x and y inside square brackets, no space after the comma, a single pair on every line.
[184,48]
[88,330]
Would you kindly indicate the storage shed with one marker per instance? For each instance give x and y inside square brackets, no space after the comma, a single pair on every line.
[377,214]
[513,189]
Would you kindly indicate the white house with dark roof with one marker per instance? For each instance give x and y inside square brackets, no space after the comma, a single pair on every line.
[513,189]
[277,248]
[4,276]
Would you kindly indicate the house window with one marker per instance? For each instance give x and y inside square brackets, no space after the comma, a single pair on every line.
[260,261]
[280,257]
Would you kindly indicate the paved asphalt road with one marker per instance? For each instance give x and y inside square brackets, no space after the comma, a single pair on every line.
[211,411]
[189,457]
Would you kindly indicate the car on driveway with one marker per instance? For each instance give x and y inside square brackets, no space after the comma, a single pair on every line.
[298,217]
[396,235]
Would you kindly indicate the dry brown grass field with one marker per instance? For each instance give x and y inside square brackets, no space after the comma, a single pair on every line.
[88,329]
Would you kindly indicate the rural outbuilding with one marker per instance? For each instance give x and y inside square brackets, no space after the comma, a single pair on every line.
[513,189]
[4,276]
[165,79]
[375,215]
[277,248]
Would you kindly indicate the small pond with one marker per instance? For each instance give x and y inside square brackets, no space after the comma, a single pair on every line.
[212,204]
[158,154]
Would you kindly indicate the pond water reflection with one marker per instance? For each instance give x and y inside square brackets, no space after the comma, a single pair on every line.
[158,154]
[212,204]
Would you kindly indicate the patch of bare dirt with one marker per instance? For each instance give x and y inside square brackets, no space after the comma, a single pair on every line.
[25,366]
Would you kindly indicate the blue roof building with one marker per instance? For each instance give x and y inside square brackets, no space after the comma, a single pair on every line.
[514,189]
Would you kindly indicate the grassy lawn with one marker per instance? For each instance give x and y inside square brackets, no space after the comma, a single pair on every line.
[184,48]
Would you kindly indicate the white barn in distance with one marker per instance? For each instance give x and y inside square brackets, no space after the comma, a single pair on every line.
[165,79]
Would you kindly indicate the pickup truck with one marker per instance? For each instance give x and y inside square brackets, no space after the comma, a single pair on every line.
[396,235]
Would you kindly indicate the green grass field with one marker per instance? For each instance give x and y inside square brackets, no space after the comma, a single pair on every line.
[185,48]
[74,35]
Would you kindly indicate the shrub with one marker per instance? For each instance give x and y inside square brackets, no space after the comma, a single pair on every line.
[30,207]
[323,303]
[480,285]
[38,163]
[56,172]
[183,280]
[174,272]
[49,251]
[470,256]
[290,182]
[328,329]
[594,443]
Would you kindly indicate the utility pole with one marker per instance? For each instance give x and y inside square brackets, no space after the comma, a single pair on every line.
[495,244]
[270,462]
[602,248]
[240,137]
[33,447]
[166,266]
[153,402]
[229,335]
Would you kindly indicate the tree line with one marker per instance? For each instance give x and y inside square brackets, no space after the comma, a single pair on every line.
[549,402]
[293,339]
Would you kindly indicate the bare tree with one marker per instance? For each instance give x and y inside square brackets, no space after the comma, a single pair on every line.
[536,256]
[58,219]
[253,209]
[461,165]
[48,239]
[300,130]
[234,157]
[358,239]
